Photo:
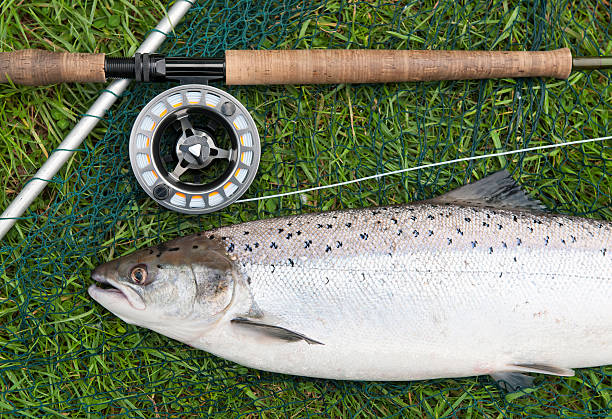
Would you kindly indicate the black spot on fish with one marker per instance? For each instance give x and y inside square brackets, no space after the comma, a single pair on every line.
[160,267]
[348,224]
[326,280]
[485,224]
[515,259]
[246,233]
[560,223]
[256,244]
[248,247]
[459,232]
[413,218]
[430,233]
[334,217]
[364,236]
[249,280]
[298,232]
[195,246]
[289,224]
[273,246]
[338,244]
[505,245]
[329,226]
[518,241]
[375,212]
[604,251]
[490,250]
[536,221]
[328,248]
[211,237]
[289,235]
[488,215]
[415,233]
[392,219]
[230,248]
[546,239]
[500,274]
[399,232]
[151,251]
[291,262]
[468,219]
[515,218]
[450,241]
[280,230]
[319,225]
[174,249]
[430,217]
[499,226]
[223,238]
[474,243]
[563,241]
[573,239]
[273,268]
[530,229]
[378,221]
[307,243]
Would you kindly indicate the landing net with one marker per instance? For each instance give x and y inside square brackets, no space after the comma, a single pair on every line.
[63,354]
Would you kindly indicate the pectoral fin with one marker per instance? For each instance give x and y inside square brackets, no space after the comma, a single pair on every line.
[273,331]
[515,380]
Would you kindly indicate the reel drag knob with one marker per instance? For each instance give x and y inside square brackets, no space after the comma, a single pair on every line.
[194,149]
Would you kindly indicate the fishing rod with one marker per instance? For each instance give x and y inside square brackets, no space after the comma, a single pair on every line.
[195,149]
[250,67]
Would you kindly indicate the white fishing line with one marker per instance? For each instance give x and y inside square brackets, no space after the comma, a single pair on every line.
[425,166]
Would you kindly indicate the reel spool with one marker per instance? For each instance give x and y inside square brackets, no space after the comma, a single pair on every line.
[194,149]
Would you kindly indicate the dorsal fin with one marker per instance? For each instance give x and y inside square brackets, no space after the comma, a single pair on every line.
[498,190]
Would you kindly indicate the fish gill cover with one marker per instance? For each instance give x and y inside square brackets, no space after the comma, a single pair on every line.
[60,353]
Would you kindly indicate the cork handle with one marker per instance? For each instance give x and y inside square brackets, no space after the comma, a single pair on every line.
[38,67]
[380,66]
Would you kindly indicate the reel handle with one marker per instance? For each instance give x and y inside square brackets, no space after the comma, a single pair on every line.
[39,67]
[381,66]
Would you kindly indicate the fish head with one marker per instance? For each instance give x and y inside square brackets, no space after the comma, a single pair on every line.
[163,288]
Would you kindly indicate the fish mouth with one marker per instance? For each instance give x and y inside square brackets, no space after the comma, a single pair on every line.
[111,292]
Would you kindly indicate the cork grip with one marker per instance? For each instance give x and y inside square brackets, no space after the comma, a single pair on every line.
[380,66]
[38,67]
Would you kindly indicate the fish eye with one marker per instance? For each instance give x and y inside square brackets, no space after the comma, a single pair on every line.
[139,274]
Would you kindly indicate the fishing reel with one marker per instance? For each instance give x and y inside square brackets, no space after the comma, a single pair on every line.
[194,149]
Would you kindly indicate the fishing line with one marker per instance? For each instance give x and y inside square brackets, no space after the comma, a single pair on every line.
[426,166]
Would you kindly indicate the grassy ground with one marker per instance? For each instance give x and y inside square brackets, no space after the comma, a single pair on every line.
[61,354]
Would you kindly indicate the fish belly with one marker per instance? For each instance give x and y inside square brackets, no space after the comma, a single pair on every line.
[426,291]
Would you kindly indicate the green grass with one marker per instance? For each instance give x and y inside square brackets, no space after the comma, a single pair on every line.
[62,354]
